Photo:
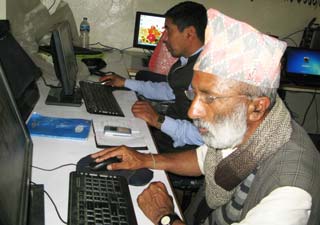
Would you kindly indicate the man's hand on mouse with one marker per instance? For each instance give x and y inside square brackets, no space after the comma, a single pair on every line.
[113,80]
[130,159]
[145,111]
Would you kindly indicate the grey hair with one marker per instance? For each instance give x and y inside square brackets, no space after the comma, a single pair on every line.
[249,90]
[254,91]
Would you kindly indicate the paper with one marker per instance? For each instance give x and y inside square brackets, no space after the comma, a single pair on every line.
[66,128]
[135,140]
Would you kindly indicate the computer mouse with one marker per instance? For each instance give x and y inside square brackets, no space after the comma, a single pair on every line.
[100,166]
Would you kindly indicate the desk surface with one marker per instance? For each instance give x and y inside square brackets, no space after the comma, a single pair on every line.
[296,88]
[50,153]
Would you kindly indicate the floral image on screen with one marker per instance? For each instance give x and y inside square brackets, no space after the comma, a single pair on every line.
[151,29]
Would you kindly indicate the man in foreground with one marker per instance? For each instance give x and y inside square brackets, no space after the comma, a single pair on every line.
[184,37]
[260,166]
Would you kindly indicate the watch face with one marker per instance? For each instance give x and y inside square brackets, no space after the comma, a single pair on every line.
[165,220]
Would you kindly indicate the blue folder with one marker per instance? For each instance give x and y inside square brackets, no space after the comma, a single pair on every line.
[55,127]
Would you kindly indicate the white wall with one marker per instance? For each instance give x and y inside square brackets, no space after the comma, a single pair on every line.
[2,9]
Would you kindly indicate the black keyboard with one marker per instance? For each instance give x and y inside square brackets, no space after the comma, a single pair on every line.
[99,99]
[99,199]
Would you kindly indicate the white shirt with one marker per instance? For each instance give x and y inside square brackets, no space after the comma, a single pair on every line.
[284,206]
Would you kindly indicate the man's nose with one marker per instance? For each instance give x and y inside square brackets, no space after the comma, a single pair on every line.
[196,110]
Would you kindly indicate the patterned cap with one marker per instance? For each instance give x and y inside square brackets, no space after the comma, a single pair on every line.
[235,50]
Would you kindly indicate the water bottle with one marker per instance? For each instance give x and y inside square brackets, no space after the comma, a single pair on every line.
[84,32]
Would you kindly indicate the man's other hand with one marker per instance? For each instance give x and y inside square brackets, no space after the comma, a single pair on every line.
[155,202]
[145,111]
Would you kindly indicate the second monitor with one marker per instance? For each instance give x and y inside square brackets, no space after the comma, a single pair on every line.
[148,30]
[66,68]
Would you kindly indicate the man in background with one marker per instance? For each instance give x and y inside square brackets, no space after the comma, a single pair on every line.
[184,37]
[260,166]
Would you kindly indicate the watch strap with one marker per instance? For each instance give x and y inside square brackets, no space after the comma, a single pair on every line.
[161,119]
[171,218]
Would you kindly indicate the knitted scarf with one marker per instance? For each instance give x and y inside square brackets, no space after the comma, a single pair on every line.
[224,175]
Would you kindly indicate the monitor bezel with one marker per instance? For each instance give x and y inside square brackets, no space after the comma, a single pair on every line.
[300,79]
[137,28]
[21,216]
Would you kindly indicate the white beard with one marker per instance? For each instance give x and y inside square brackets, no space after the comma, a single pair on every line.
[226,132]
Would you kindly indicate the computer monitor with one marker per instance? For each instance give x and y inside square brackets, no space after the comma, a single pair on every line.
[65,66]
[15,160]
[148,30]
[302,66]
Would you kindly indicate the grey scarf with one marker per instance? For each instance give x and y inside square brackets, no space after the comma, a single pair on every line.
[224,175]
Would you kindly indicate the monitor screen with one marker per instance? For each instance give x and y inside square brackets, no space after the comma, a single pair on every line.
[302,66]
[148,30]
[64,58]
[15,160]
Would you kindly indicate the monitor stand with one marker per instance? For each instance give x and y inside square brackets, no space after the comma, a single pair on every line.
[57,97]
[36,205]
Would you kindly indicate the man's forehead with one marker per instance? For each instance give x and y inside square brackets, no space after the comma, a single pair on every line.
[202,79]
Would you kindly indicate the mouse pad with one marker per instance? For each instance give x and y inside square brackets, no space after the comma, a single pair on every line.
[138,177]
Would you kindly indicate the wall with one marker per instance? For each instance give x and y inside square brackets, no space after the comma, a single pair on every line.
[112,21]
[3,9]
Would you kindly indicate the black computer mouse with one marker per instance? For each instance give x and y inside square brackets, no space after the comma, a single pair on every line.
[100,166]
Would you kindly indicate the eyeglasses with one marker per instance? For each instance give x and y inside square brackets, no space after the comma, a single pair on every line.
[208,99]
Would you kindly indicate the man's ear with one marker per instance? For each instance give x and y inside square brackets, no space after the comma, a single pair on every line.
[258,108]
[190,31]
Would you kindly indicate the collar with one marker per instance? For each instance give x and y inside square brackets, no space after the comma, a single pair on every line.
[184,60]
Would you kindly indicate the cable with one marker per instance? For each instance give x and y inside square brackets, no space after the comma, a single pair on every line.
[53,203]
[107,47]
[296,45]
[122,50]
[69,164]
[55,207]
[54,2]
[317,116]
[289,35]
[308,108]
[49,85]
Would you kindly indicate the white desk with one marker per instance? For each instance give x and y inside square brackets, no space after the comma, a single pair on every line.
[49,153]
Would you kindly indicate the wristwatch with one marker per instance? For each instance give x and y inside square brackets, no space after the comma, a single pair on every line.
[168,219]
[161,119]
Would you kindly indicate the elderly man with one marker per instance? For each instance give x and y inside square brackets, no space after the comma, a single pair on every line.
[260,166]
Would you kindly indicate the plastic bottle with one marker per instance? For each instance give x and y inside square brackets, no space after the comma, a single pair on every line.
[84,32]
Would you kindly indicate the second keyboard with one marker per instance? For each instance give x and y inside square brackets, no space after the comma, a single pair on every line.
[99,99]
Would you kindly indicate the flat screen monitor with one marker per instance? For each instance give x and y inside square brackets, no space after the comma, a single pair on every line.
[15,160]
[302,66]
[148,30]
[65,66]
